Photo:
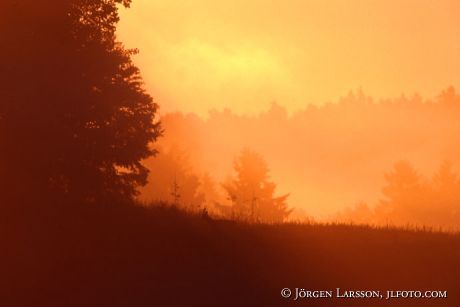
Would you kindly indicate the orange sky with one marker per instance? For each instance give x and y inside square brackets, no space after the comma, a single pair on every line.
[243,54]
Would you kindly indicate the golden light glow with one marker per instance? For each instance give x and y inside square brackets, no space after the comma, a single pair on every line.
[243,55]
[200,55]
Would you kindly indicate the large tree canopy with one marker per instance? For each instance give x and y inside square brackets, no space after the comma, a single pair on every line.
[75,120]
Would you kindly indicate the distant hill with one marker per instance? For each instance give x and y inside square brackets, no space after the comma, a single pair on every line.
[132,256]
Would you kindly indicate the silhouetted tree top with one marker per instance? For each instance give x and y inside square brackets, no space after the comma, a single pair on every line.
[75,120]
[403,180]
[445,178]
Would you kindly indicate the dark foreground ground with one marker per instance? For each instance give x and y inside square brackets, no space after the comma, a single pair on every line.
[136,257]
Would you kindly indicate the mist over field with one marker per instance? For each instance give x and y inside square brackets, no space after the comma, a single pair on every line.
[328,158]
[331,95]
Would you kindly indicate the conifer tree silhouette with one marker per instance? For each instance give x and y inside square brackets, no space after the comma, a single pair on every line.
[75,120]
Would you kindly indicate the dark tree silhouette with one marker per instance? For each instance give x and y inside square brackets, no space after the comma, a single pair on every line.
[252,194]
[75,121]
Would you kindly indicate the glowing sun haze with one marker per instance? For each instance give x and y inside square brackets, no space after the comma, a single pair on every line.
[205,54]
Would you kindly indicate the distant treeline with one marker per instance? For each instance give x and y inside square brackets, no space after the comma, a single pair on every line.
[326,156]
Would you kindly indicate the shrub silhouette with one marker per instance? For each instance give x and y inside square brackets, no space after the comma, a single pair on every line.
[173,180]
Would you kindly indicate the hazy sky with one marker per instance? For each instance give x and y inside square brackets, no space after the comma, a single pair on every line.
[243,54]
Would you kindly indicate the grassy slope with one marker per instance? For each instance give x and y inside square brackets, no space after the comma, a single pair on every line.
[137,257]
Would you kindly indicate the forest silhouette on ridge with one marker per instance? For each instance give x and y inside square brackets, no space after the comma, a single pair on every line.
[103,202]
